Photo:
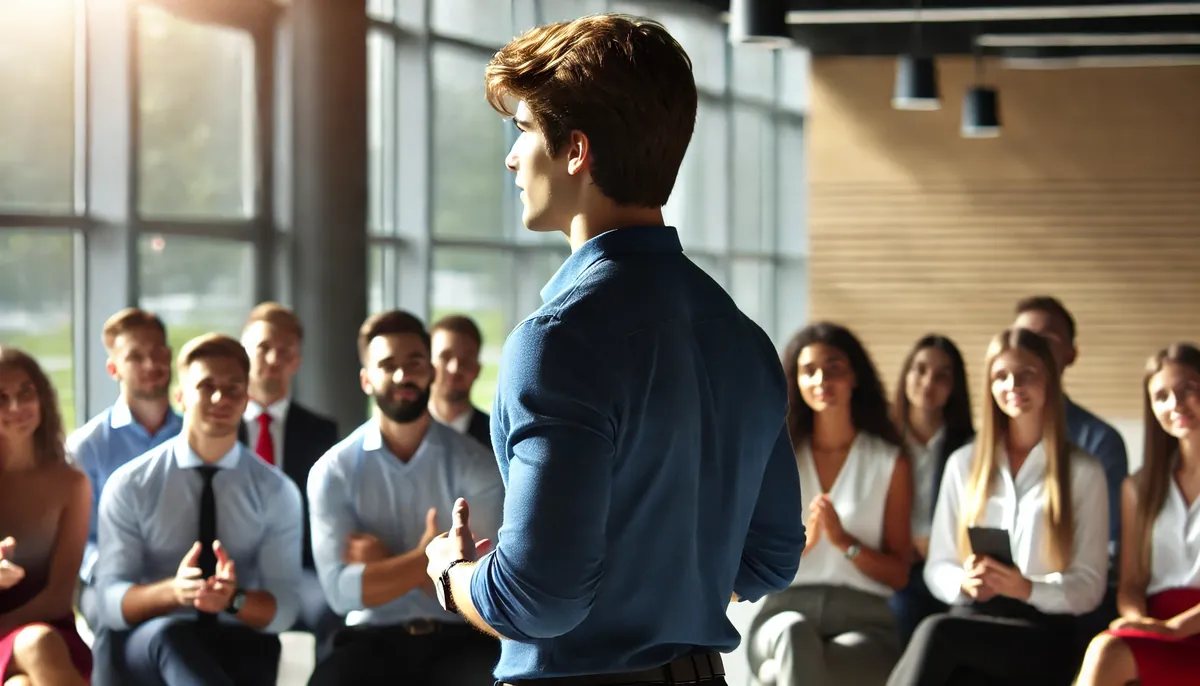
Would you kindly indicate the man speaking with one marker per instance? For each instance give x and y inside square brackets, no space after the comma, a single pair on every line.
[639,420]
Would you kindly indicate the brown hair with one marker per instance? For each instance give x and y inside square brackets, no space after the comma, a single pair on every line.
[49,440]
[127,320]
[212,345]
[389,323]
[276,315]
[1153,480]
[622,81]
[459,324]
[1060,519]
[1051,306]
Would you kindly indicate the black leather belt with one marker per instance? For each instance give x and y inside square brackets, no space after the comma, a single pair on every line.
[690,669]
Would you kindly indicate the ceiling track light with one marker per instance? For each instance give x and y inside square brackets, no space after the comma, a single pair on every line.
[759,24]
[981,106]
[916,76]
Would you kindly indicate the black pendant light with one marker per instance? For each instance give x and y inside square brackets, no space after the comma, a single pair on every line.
[916,74]
[759,23]
[981,106]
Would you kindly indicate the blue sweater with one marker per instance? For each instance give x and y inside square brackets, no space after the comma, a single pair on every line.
[639,428]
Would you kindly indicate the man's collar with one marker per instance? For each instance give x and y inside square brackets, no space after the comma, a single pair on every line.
[186,458]
[631,239]
[373,437]
[121,416]
[278,409]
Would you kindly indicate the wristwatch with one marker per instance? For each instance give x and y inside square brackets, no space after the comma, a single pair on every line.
[852,551]
[444,595]
[236,602]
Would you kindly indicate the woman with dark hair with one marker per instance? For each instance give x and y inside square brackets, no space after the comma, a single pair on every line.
[1015,605]
[932,411]
[833,626]
[1156,640]
[44,509]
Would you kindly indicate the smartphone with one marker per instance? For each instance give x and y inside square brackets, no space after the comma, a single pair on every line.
[991,542]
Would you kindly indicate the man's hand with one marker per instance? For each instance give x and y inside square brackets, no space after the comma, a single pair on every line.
[364,548]
[188,578]
[217,590]
[11,573]
[457,544]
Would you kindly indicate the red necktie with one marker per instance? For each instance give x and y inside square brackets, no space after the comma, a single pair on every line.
[265,446]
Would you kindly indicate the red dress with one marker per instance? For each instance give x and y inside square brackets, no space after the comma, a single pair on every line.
[1164,660]
[17,596]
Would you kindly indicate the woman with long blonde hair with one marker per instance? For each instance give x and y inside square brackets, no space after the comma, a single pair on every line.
[1013,623]
[45,505]
[1156,640]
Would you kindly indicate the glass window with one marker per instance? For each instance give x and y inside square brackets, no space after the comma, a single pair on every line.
[793,187]
[752,288]
[36,295]
[197,285]
[751,179]
[488,23]
[478,283]
[381,129]
[37,70]
[753,73]
[794,65]
[550,11]
[196,103]
[469,146]
[699,203]
[792,292]
[381,278]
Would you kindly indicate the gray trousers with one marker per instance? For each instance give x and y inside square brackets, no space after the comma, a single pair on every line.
[823,636]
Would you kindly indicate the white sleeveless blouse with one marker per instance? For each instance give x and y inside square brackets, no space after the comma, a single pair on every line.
[859,495]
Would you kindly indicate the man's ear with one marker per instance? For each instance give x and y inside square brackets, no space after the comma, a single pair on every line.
[365,383]
[579,153]
[1071,355]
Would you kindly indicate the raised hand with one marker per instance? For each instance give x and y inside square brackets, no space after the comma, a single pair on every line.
[217,591]
[189,578]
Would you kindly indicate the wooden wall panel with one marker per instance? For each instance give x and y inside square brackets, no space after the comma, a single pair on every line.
[1092,194]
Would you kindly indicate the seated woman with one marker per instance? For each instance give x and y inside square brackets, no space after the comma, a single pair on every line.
[44,510]
[932,411]
[1013,624]
[1156,640]
[833,626]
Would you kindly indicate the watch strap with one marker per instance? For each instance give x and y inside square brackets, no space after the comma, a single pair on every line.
[447,596]
[236,601]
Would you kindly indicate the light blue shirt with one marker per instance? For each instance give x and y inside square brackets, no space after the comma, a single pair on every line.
[360,486]
[150,517]
[107,441]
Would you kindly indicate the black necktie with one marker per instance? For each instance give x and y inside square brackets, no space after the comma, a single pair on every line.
[208,531]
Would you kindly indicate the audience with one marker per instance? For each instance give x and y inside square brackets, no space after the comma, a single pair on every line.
[1156,640]
[932,411]
[200,541]
[833,626]
[378,498]
[139,360]
[1013,624]
[288,435]
[456,343]
[44,510]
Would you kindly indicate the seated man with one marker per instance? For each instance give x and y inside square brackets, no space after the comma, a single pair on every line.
[200,541]
[376,500]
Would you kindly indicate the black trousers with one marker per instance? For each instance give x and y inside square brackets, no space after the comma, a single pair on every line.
[913,603]
[404,655]
[1000,642]
[179,651]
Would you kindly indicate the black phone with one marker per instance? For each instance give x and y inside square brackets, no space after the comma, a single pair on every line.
[991,542]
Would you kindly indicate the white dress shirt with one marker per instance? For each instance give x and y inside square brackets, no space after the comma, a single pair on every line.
[859,494]
[278,411]
[1175,544]
[924,458]
[1017,504]
[462,422]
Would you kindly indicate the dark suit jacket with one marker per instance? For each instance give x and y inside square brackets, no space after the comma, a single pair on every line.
[480,428]
[306,437]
